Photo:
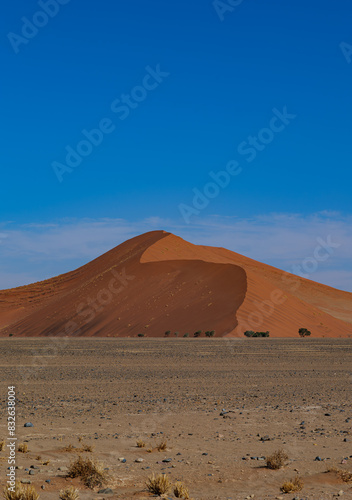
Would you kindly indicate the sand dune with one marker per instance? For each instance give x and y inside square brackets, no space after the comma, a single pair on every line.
[157,282]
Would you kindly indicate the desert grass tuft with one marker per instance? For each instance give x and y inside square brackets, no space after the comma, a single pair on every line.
[292,486]
[23,448]
[276,460]
[90,472]
[342,474]
[180,491]
[87,448]
[162,445]
[158,484]
[70,493]
[149,450]
[69,448]
[140,443]
[2,445]
[22,492]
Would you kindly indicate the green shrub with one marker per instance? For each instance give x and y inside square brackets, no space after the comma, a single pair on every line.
[141,335]
[197,333]
[251,333]
[186,335]
[167,333]
[303,332]
[210,333]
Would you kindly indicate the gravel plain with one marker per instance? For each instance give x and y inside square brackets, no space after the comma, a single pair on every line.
[223,405]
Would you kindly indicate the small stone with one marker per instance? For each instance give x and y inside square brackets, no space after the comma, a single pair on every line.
[167,460]
[48,481]
[139,460]
[28,424]
[26,481]
[340,493]
[32,472]
[107,491]
[318,459]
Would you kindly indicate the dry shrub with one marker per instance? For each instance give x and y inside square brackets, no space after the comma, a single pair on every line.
[89,471]
[149,450]
[140,443]
[45,462]
[70,493]
[162,445]
[276,460]
[80,439]
[158,484]
[180,491]
[344,475]
[23,448]
[38,457]
[22,492]
[2,445]
[293,485]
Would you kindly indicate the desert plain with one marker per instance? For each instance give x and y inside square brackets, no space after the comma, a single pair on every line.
[223,405]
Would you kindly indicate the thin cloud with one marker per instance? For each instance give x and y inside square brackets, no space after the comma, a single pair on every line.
[36,251]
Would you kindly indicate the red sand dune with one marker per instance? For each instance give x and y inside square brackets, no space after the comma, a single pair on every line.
[158,282]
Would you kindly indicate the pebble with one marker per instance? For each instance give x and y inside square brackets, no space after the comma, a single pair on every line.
[107,491]
[139,460]
[28,424]
[26,481]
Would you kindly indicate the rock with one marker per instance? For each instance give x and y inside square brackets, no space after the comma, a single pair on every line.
[63,469]
[28,424]
[340,493]
[167,460]
[26,481]
[107,491]
[48,481]
[318,459]
[139,460]
[32,472]
[327,414]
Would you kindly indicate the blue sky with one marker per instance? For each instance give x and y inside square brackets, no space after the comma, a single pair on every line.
[179,90]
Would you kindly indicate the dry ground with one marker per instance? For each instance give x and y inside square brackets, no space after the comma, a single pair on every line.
[296,394]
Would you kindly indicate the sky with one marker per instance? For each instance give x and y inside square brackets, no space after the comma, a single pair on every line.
[225,122]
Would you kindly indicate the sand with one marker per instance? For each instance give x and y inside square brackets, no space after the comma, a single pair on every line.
[293,393]
[158,282]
